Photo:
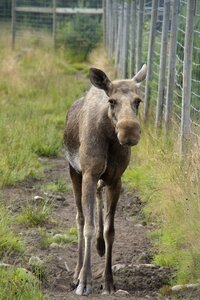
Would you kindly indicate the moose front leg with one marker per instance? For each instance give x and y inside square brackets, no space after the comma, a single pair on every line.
[77,186]
[88,202]
[112,196]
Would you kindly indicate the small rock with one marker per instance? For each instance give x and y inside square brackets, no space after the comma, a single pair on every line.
[138,225]
[38,198]
[59,236]
[177,288]
[60,198]
[3,265]
[35,261]
[180,287]
[54,245]
[122,293]
[118,267]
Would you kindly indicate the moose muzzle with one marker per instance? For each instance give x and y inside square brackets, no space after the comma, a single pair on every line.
[128,133]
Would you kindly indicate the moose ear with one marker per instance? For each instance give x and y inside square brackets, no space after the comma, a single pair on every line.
[141,75]
[99,79]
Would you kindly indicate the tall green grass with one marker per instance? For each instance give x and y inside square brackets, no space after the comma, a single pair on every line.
[36,89]
[172,195]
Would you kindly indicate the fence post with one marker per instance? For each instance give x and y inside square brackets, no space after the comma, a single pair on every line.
[121,37]
[125,38]
[152,36]
[132,36]
[13,25]
[187,74]
[104,22]
[163,59]
[139,35]
[172,65]
[107,24]
[119,34]
[54,23]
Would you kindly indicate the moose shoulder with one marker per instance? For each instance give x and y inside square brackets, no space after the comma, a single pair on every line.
[99,133]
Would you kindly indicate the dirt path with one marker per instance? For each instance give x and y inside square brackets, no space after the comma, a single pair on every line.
[132,248]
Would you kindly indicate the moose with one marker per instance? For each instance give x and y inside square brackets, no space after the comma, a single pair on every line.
[100,130]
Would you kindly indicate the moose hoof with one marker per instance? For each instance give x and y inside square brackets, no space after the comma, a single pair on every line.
[83,290]
[107,293]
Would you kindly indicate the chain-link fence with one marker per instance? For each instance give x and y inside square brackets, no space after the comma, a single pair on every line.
[166,35]
[78,24]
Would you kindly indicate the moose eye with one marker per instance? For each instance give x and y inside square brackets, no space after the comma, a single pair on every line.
[112,102]
[137,102]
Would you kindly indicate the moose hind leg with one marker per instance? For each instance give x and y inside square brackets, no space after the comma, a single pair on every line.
[100,243]
[112,196]
[77,186]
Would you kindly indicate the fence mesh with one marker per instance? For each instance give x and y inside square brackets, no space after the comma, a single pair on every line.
[141,43]
[127,26]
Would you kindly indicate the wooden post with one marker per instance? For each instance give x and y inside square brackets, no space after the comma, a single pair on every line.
[104,22]
[139,36]
[110,29]
[163,60]
[172,65]
[54,23]
[13,24]
[133,22]
[125,38]
[121,37]
[187,75]
[152,36]
[119,33]
[107,24]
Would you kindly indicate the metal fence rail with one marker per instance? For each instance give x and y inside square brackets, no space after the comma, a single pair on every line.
[166,35]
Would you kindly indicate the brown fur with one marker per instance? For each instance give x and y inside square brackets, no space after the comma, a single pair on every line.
[99,131]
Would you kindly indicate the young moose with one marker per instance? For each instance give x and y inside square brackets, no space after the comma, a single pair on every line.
[100,130]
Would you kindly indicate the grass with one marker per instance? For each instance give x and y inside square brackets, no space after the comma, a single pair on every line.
[35,215]
[59,186]
[19,284]
[36,89]
[70,236]
[172,194]
[9,243]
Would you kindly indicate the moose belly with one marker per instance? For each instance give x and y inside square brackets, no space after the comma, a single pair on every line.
[74,159]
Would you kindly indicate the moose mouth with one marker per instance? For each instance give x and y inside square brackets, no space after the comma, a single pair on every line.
[129,142]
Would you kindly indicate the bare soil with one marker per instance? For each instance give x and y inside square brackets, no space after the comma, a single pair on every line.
[132,253]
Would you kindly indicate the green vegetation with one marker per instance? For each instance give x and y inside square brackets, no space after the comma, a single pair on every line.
[172,196]
[35,93]
[19,284]
[81,35]
[70,236]
[37,86]
[58,186]
[9,243]
[35,215]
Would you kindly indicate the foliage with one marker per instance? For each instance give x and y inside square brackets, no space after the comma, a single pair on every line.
[172,195]
[70,236]
[9,243]
[19,284]
[35,93]
[81,34]
[58,186]
[35,215]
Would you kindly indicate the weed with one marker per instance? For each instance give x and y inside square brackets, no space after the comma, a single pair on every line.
[35,215]
[172,196]
[58,186]
[70,236]
[35,93]
[9,243]
[19,284]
